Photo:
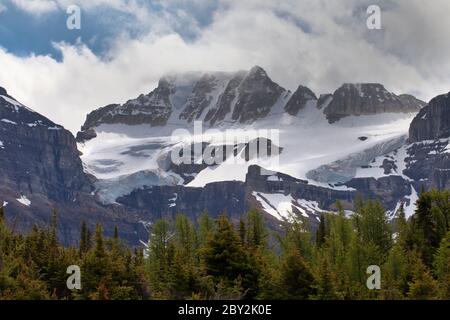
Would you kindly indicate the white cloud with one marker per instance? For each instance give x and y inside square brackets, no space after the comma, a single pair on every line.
[318,43]
[36,7]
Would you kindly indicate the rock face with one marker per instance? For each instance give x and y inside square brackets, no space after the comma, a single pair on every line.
[257,94]
[433,121]
[40,170]
[387,189]
[366,99]
[153,109]
[429,151]
[428,164]
[299,189]
[38,155]
[214,97]
[167,201]
[236,198]
[299,99]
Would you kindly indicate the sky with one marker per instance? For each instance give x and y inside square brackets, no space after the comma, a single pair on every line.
[125,46]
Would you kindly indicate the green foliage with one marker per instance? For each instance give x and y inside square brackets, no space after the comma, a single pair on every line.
[240,259]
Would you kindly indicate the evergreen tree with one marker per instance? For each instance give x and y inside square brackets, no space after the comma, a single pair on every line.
[423,286]
[84,241]
[296,280]
[256,231]
[321,231]
[442,267]
[225,259]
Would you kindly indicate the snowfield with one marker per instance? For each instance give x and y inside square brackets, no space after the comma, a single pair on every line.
[126,157]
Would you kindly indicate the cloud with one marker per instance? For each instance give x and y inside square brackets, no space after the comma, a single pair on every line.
[318,43]
[36,7]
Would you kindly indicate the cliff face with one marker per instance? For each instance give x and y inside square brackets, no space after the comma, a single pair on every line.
[367,99]
[433,121]
[299,100]
[38,156]
[40,170]
[429,135]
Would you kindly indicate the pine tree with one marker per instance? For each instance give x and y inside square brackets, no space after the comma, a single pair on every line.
[373,227]
[325,282]
[206,226]
[426,233]
[242,232]
[159,258]
[99,249]
[256,231]
[442,267]
[321,232]
[296,280]
[225,259]
[84,246]
[422,286]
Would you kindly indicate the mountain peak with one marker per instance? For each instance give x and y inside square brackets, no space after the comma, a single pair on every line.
[433,121]
[3,91]
[258,71]
[366,99]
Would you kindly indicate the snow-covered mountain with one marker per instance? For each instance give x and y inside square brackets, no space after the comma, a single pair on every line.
[333,143]
[221,141]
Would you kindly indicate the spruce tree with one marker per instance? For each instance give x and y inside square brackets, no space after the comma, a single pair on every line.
[442,267]
[84,247]
[296,280]
[321,231]
[225,259]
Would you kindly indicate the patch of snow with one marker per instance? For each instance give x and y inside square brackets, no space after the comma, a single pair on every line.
[172,201]
[24,200]
[276,204]
[2,146]
[8,121]
[282,206]
[411,206]
[5,203]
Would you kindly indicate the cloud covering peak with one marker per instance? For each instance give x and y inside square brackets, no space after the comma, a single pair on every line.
[317,43]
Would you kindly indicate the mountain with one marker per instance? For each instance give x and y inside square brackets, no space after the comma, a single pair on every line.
[433,121]
[40,170]
[333,146]
[366,99]
[213,98]
[222,141]
[429,150]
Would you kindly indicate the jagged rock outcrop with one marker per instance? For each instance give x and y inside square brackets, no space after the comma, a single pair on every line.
[257,94]
[210,97]
[429,152]
[433,121]
[368,98]
[154,109]
[299,99]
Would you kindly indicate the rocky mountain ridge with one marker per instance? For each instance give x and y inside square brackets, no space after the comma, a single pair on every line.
[41,169]
[241,97]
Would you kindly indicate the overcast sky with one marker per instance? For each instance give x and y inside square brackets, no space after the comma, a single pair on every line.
[124,46]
